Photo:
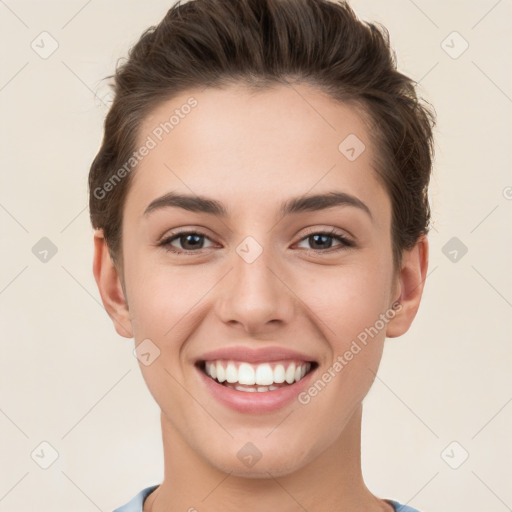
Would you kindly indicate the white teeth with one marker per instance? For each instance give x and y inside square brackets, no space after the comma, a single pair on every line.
[259,389]
[231,373]
[279,374]
[241,388]
[290,374]
[246,375]
[262,376]
[221,373]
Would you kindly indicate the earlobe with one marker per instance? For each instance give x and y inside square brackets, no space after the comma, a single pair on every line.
[110,287]
[411,281]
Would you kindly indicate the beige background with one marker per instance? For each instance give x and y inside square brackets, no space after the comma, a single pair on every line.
[69,380]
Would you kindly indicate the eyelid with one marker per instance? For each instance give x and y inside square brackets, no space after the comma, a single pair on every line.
[184,230]
[331,231]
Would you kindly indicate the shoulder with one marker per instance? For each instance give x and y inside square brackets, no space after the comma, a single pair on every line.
[401,508]
[136,503]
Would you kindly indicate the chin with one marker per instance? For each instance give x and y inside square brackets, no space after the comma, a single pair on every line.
[249,462]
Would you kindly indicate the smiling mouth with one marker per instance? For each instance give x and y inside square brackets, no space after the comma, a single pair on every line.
[263,377]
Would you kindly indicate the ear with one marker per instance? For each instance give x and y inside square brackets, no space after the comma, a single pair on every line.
[408,289]
[110,287]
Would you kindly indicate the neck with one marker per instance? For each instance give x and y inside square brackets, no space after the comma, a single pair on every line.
[333,481]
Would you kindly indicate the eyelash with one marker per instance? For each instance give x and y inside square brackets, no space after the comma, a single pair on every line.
[345,242]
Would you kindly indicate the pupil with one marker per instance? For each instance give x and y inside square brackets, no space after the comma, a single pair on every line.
[315,237]
[187,237]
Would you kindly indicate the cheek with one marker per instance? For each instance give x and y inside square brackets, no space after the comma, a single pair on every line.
[162,297]
[348,306]
[347,302]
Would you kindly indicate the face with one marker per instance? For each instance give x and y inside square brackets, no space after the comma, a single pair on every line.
[256,277]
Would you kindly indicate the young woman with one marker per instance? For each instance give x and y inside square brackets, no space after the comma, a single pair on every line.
[261,214]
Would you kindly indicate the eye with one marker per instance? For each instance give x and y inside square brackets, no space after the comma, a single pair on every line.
[193,242]
[322,241]
[190,241]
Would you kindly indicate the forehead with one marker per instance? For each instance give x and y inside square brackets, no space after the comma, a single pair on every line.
[235,143]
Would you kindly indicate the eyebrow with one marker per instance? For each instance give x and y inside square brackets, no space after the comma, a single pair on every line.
[201,204]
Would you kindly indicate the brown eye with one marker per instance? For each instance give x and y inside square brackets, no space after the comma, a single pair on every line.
[321,241]
[188,241]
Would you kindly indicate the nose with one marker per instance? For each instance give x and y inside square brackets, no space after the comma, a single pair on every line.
[255,296]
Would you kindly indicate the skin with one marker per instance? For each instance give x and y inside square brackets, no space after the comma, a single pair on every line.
[251,151]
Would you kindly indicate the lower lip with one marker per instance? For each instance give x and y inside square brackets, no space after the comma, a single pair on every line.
[255,402]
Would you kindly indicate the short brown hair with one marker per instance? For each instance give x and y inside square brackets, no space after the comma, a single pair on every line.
[260,43]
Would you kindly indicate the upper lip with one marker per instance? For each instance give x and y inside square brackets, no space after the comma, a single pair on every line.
[251,355]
